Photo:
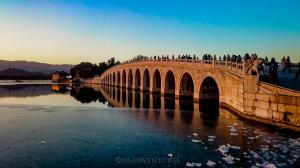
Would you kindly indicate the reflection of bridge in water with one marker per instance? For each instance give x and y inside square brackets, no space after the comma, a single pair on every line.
[158,107]
[234,85]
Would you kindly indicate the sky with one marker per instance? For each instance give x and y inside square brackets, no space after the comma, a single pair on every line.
[73,31]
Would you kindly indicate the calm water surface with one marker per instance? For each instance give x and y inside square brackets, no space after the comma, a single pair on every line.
[61,126]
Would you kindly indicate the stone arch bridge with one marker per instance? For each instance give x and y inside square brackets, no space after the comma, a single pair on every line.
[228,82]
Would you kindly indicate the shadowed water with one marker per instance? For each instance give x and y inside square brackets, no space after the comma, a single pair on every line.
[95,126]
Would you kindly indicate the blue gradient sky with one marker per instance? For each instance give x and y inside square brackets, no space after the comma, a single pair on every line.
[71,31]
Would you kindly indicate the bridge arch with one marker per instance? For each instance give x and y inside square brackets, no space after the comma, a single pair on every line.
[209,95]
[146,80]
[118,79]
[137,79]
[156,81]
[130,79]
[170,83]
[209,89]
[186,85]
[215,78]
[124,79]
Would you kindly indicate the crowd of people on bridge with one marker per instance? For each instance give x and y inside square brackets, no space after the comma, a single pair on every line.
[263,67]
[273,67]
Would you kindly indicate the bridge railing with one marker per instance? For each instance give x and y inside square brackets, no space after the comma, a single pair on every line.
[227,65]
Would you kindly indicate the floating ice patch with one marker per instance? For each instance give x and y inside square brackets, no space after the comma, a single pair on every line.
[170,155]
[43,142]
[211,140]
[270,165]
[235,147]
[197,164]
[232,129]
[210,163]
[195,134]
[196,140]
[234,134]
[188,164]
[258,164]
[211,137]
[223,149]
[229,159]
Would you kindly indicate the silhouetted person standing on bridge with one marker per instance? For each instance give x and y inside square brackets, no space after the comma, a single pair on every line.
[287,64]
[273,76]
[298,72]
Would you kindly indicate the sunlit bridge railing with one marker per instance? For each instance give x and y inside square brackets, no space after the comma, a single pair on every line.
[236,67]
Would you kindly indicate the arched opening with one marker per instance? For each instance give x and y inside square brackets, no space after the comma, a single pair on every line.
[130,79]
[170,83]
[146,80]
[124,79]
[170,90]
[137,79]
[209,96]
[156,82]
[118,79]
[114,79]
[186,86]
[186,93]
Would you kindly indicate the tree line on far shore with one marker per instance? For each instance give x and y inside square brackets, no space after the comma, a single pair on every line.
[89,70]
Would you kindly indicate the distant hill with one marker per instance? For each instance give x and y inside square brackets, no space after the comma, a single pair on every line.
[34,66]
[14,73]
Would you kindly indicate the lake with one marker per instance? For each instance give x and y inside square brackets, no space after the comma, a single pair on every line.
[62,126]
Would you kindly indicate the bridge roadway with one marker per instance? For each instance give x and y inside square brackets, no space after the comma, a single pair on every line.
[230,83]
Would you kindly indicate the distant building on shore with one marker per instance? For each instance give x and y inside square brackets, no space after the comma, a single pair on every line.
[61,76]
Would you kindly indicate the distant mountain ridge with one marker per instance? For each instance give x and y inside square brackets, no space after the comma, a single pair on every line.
[13,73]
[34,66]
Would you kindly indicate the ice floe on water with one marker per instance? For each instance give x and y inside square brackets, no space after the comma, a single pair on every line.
[270,165]
[232,129]
[249,147]
[229,159]
[196,140]
[197,164]
[211,137]
[223,149]
[188,164]
[195,134]
[210,163]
